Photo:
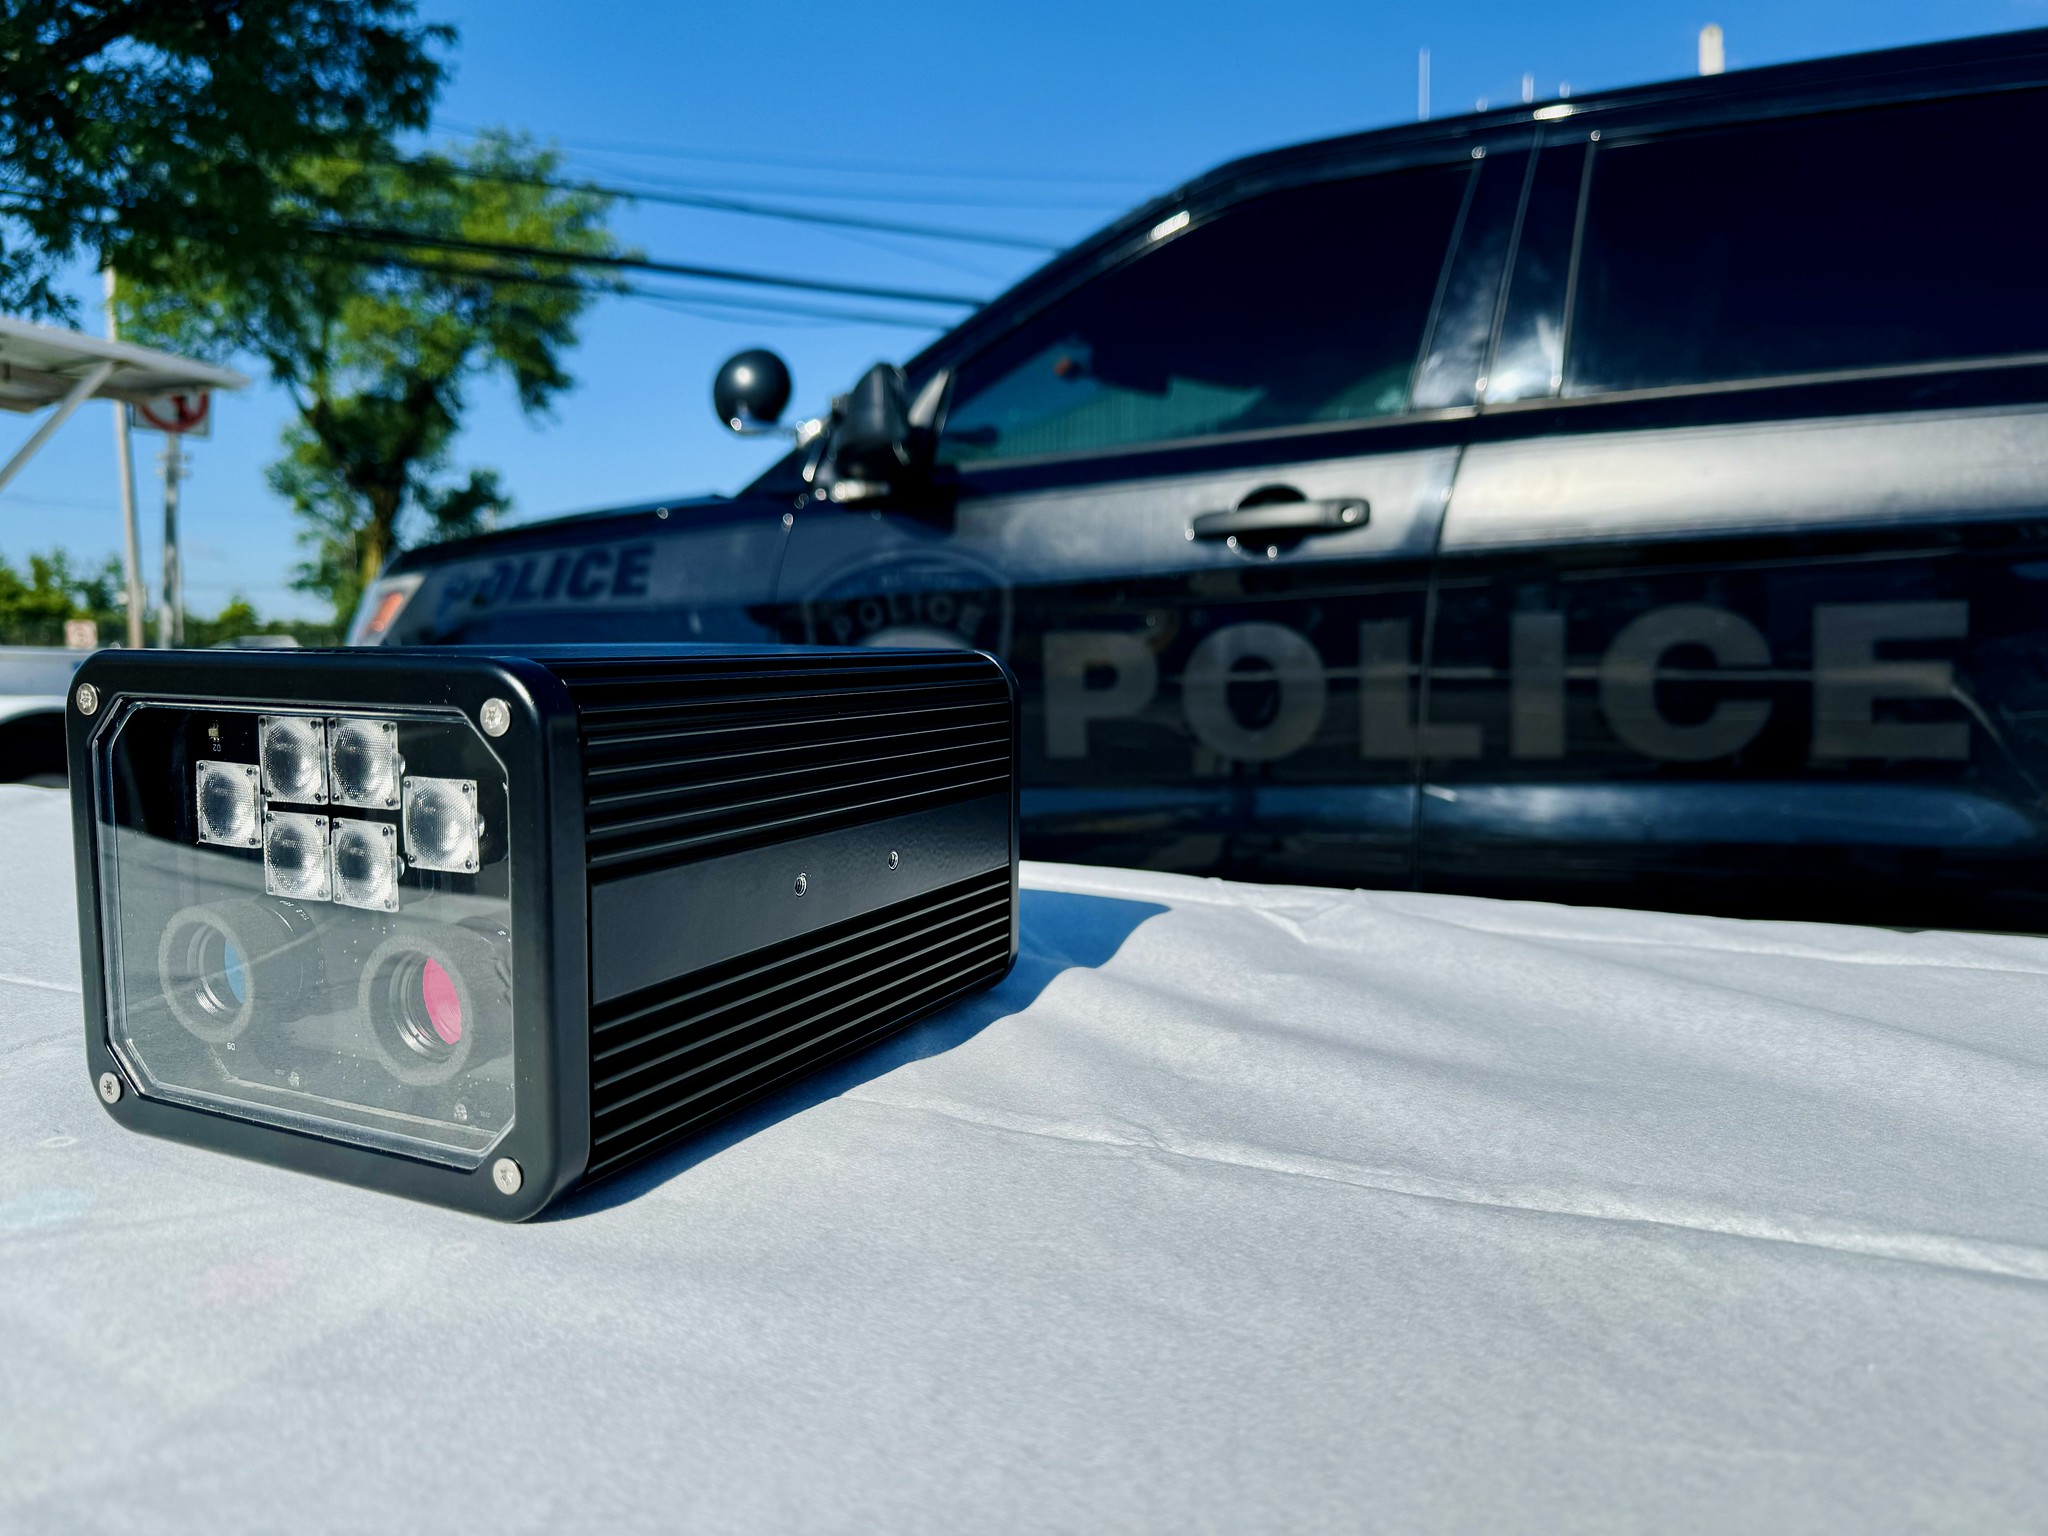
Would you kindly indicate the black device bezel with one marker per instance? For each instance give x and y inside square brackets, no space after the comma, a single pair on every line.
[550,1134]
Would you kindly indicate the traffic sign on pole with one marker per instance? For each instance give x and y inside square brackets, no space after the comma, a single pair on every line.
[186,414]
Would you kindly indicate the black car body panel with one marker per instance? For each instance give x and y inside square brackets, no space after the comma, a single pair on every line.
[1640,499]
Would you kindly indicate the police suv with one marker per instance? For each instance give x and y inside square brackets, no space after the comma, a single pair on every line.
[1639,499]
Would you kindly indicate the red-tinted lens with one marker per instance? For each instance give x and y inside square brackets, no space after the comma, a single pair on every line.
[444,1008]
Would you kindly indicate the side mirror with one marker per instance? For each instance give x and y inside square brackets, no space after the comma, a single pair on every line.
[751,391]
[880,444]
[873,441]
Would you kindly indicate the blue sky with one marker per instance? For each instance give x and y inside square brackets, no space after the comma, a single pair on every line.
[1040,120]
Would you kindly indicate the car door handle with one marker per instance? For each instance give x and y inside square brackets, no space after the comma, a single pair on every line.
[1283,519]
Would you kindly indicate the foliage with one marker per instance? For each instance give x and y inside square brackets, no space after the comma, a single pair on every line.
[34,604]
[238,620]
[133,132]
[379,338]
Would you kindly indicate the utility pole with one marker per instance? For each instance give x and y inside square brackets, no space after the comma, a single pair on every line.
[170,623]
[131,531]
[1422,86]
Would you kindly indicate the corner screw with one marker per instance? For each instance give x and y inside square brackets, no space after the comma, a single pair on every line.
[110,1087]
[88,701]
[803,883]
[894,858]
[495,717]
[506,1175]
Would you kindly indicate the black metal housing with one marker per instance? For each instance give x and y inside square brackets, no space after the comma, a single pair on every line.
[732,865]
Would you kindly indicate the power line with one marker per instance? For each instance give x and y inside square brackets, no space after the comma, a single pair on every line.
[706,307]
[513,278]
[821,163]
[880,197]
[370,235]
[367,235]
[743,206]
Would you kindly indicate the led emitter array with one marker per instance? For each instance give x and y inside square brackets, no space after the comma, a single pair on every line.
[315,760]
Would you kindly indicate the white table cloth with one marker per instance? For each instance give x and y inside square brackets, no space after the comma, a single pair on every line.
[1235,1209]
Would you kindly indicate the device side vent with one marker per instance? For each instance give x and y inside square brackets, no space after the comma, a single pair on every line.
[666,1060]
[683,762]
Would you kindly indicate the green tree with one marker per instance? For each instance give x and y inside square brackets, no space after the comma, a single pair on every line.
[35,603]
[134,132]
[380,336]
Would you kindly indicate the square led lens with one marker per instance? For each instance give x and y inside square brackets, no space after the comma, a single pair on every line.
[366,867]
[295,855]
[230,804]
[294,751]
[442,829]
[363,765]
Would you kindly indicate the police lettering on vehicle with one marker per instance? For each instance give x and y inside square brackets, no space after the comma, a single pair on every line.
[1099,675]
[555,578]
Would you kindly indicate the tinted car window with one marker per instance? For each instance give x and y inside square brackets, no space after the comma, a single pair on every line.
[1301,306]
[1897,236]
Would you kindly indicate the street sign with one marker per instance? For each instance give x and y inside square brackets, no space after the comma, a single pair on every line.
[186,414]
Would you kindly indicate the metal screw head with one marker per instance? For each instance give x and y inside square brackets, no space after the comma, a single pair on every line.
[507,1176]
[88,698]
[110,1087]
[803,883]
[495,717]
[894,858]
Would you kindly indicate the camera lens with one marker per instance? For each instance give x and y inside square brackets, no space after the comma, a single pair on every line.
[443,1007]
[223,963]
[428,992]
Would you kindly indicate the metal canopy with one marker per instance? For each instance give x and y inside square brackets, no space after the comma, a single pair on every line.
[42,364]
[46,365]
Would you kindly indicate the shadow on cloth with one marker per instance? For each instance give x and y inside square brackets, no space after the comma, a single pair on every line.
[1058,930]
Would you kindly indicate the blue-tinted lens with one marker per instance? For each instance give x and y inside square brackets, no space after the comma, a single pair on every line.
[231,963]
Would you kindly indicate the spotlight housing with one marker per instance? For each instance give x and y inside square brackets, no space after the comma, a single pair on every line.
[480,928]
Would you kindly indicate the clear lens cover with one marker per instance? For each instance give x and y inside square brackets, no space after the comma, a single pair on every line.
[287,965]
[230,802]
[366,864]
[295,758]
[442,827]
[295,855]
[364,766]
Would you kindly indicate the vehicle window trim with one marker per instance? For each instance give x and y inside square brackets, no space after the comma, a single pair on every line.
[1571,273]
[2003,361]
[1488,356]
[1477,164]
[1303,429]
